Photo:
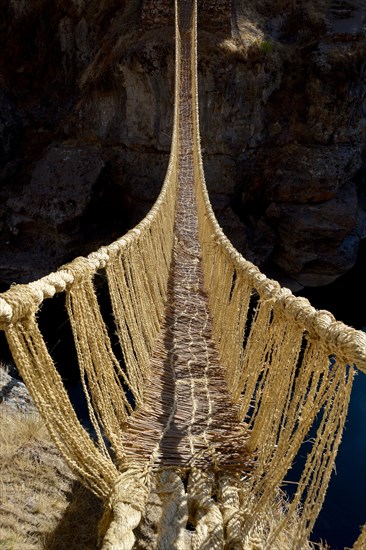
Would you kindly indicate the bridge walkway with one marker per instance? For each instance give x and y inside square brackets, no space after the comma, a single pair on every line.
[187,417]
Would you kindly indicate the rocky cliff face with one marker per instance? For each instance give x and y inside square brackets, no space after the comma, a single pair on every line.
[86,101]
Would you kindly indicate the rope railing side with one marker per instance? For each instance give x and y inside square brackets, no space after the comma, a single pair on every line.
[86,458]
[136,267]
[138,296]
[344,340]
[12,308]
[286,364]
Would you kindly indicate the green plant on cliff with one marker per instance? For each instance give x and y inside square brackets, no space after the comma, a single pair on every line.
[265,47]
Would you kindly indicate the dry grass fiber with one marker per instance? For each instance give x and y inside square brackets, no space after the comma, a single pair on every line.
[42,505]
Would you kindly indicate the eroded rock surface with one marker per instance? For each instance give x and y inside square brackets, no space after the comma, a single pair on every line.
[14,396]
[86,103]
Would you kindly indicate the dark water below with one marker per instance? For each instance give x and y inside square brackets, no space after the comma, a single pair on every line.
[344,509]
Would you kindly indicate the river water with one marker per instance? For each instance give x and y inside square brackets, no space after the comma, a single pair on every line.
[344,509]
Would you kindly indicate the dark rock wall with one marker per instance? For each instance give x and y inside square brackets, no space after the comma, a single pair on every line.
[86,103]
[283,112]
[157,14]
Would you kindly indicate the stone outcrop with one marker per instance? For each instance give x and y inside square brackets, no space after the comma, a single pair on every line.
[157,14]
[14,396]
[49,211]
[9,128]
[86,102]
[305,230]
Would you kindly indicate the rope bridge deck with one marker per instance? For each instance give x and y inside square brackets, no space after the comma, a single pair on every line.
[228,371]
[188,413]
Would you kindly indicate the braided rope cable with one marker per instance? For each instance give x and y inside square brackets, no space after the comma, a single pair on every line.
[204,512]
[344,340]
[231,509]
[171,530]
[126,504]
[195,420]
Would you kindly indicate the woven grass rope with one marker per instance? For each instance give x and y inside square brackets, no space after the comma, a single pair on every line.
[227,370]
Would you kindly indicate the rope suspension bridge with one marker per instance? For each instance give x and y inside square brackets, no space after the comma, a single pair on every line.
[230,374]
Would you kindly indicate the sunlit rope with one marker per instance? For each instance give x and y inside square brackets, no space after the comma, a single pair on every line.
[230,374]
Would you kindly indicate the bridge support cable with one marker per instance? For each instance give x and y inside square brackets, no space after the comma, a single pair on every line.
[289,367]
[228,378]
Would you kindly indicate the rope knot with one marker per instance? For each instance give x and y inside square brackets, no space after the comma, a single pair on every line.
[81,269]
[22,301]
[132,487]
[125,507]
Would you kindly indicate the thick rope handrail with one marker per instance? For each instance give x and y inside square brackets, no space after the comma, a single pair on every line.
[63,278]
[346,341]
[279,320]
[12,307]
